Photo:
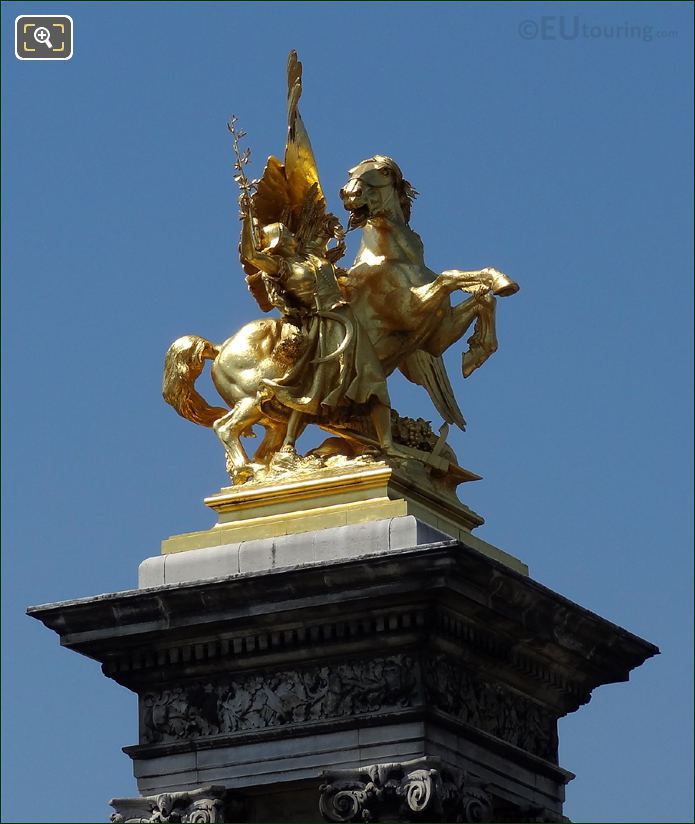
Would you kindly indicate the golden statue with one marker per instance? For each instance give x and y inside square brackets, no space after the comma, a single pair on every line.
[340,332]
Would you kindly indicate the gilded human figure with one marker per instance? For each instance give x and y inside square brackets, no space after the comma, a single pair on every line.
[332,366]
[340,333]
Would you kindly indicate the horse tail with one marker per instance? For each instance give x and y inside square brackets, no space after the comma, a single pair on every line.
[183,362]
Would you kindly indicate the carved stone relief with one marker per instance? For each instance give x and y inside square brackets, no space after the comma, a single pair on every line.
[491,708]
[259,701]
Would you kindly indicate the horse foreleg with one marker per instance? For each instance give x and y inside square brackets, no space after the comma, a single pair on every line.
[429,297]
[497,282]
[455,322]
[483,342]
[430,304]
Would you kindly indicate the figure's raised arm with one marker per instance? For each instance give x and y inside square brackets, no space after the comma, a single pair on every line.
[250,254]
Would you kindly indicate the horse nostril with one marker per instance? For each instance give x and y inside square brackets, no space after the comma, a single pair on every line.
[350,191]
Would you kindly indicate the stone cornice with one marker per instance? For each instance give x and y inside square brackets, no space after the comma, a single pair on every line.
[450,592]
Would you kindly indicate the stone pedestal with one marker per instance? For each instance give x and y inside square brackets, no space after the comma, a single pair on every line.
[329,498]
[366,671]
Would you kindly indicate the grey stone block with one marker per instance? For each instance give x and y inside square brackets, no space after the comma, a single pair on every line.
[257,556]
[402,751]
[407,531]
[262,555]
[392,732]
[151,572]
[278,750]
[291,550]
[164,765]
[202,564]
[352,540]
[173,782]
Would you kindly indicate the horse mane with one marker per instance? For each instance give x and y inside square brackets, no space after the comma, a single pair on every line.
[406,191]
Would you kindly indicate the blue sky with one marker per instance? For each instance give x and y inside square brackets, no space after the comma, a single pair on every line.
[565,162]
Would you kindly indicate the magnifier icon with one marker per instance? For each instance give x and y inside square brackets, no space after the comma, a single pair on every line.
[42,35]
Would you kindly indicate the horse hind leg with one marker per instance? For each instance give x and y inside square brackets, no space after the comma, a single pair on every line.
[272,440]
[229,428]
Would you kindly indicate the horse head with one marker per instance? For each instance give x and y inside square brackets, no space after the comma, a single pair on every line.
[376,188]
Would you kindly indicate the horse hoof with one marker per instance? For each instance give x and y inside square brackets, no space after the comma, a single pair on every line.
[503,287]
[285,458]
[376,451]
[471,361]
[242,474]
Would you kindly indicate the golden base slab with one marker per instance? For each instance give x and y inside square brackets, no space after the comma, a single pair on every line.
[326,498]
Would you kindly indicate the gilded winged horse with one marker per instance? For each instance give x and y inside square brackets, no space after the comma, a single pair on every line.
[404,308]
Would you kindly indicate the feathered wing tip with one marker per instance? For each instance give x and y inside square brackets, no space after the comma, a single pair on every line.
[429,371]
[294,88]
[310,216]
[294,69]
[300,164]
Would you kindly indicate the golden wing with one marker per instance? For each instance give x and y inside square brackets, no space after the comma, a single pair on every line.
[291,192]
[310,214]
[271,200]
[300,164]
[429,371]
